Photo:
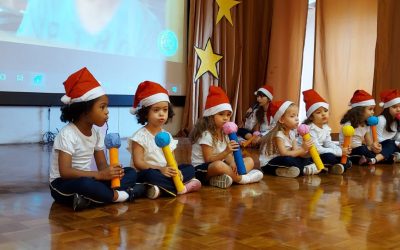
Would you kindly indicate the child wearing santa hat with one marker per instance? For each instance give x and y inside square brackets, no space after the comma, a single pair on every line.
[212,150]
[364,149]
[257,117]
[317,112]
[388,127]
[280,155]
[153,109]
[71,179]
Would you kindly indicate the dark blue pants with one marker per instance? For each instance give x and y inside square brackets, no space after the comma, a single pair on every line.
[330,159]
[155,177]
[287,161]
[388,148]
[243,131]
[62,190]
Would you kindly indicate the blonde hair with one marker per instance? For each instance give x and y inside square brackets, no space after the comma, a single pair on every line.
[267,143]
[204,124]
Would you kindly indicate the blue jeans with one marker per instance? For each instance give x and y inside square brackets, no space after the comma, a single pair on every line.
[63,190]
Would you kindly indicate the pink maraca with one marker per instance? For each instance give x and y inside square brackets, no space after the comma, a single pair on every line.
[230,127]
[304,131]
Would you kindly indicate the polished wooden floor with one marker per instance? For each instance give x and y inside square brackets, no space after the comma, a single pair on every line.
[359,210]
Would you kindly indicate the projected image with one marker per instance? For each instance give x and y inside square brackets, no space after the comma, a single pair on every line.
[122,42]
[123,27]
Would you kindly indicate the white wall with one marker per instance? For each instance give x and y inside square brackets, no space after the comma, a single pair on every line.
[308,59]
[28,124]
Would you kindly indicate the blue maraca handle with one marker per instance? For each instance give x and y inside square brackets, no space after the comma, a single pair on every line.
[237,155]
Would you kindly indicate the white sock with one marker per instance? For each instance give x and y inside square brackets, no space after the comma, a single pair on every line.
[122,196]
[245,179]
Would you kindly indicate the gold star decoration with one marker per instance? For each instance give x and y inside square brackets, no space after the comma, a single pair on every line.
[208,61]
[225,9]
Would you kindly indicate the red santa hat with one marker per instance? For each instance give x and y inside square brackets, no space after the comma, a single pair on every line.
[313,101]
[81,86]
[361,99]
[147,94]
[266,90]
[278,108]
[216,102]
[389,98]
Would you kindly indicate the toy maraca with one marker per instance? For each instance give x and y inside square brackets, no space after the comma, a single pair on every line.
[162,140]
[348,132]
[372,121]
[255,135]
[113,142]
[304,131]
[230,128]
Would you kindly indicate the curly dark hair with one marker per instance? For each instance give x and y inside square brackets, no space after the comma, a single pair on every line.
[308,120]
[389,119]
[72,112]
[355,116]
[142,113]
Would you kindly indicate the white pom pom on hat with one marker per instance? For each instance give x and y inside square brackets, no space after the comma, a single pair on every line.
[389,98]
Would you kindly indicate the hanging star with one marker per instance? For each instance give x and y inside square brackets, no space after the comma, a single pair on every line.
[225,9]
[208,61]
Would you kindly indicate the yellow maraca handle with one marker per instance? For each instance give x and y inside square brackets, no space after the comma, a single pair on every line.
[314,153]
[172,163]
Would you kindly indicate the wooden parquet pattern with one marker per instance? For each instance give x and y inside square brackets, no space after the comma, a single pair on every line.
[359,210]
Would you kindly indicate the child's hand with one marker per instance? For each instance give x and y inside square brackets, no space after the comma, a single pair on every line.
[232,146]
[168,171]
[306,145]
[346,151]
[376,147]
[114,171]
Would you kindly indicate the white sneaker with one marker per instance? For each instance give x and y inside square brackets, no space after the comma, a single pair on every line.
[153,192]
[290,172]
[255,175]
[396,157]
[310,169]
[221,181]
[337,169]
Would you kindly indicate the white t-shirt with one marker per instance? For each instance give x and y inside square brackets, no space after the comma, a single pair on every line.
[323,141]
[81,147]
[383,134]
[206,139]
[251,121]
[358,137]
[287,141]
[152,153]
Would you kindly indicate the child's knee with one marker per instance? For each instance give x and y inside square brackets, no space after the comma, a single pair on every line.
[248,162]
[219,167]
